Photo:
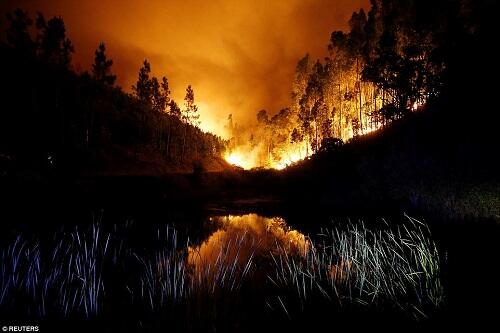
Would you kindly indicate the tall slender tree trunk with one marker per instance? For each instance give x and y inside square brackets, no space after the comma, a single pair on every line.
[316,134]
[184,142]
[383,105]
[375,105]
[308,143]
[340,112]
[169,134]
[360,102]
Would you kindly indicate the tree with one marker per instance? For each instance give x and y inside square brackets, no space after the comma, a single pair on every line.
[175,113]
[262,117]
[337,69]
[143,87]
[357,41]
[165,92]
[190,113]
[175,110]
[357,35]
[17,33]
[312,105]
[157,98]
[54,47]
[302,73]
[339,49]
[296,136]
[372,30]
[101,69]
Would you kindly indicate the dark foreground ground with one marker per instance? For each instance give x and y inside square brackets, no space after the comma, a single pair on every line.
[449,182]
[468,245]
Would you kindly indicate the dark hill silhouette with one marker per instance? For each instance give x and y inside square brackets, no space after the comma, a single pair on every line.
[55,121]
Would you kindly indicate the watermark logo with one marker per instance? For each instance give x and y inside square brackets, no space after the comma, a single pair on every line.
[20,328]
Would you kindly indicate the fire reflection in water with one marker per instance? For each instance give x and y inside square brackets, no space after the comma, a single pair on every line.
[230,251]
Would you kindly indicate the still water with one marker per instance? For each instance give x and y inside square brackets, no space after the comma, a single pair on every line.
[163,266]
[237,240]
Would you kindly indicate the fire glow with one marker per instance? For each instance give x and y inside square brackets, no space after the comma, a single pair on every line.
[261,155]
[238,240]
[247,157]
[240,160]
[248,160]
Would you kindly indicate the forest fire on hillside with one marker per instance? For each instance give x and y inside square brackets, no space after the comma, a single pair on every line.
[254,157]
[332,103]
[259,150]
[359,88]
[286,149]
[240,160]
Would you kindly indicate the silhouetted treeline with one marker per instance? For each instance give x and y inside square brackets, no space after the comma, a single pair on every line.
[402,56]
[52,117]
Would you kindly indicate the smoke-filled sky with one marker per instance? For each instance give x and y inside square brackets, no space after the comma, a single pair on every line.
[239,56]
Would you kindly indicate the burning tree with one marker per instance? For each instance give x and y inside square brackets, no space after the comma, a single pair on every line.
[386,66]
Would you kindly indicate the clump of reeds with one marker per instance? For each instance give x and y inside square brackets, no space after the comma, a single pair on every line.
[386,266]
[397,267]
[65,280]
[164,277]
[174,274]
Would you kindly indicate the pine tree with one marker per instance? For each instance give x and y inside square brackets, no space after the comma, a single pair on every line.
[190,113]
[54,47]
[175,110]
[101,69]
[17,33]
[143,87]
[157,101]
[165,91]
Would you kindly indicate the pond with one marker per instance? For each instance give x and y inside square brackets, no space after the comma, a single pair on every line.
[238,240]
[239,263]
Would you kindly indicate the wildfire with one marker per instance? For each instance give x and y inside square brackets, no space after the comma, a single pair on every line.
[272,147]
[371,128]
[248,157]
[287,160]
[262,155]
[247,161]
[240,159]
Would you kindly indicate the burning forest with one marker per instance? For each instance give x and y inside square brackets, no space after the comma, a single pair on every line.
[241,166]
[385,67]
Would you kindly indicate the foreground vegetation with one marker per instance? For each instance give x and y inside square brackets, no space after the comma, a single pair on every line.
[98,274]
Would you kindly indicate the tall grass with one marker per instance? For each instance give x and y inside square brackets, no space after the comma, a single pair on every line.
[233,262]
[67,279]
[164,275]
[176,274]
[396,267]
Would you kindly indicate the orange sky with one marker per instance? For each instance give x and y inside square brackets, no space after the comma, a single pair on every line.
[238,55]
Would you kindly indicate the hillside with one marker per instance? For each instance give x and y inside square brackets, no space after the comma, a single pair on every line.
[413,165]
[55,120]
